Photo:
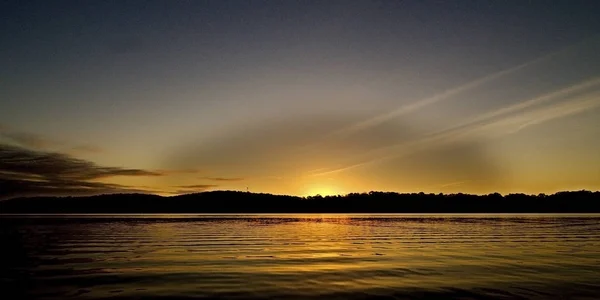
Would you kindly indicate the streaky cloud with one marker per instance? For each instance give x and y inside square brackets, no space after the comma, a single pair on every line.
[376,120]
[192,188]
[86,149]
[511,116]
[224,178]
[559,111]
[40,142]
[197,186]
[26,139]
[176,171]
[29,172]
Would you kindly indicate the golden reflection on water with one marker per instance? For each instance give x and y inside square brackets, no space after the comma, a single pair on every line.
[312,255]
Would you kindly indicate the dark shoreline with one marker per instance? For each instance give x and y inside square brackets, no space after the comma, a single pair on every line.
[368,203]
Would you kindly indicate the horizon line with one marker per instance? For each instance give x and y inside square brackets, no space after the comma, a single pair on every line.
[305,196]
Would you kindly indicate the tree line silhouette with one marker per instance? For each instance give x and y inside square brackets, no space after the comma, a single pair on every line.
[372,202]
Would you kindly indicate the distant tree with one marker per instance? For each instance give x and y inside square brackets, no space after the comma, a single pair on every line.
[371,202]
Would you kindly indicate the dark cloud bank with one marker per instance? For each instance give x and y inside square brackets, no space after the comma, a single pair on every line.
[26,172]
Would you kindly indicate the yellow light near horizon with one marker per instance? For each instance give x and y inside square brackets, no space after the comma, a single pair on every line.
[323,190]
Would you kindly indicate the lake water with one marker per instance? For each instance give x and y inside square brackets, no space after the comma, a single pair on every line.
[301,257]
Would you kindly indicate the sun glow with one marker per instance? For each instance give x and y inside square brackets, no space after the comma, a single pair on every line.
[323,190]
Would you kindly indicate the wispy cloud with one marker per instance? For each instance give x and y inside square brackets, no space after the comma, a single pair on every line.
[197,186]
[85,149]
[176,171]
[506,120]
[29,172]
[40,142]
[193,188]
[511,110]
[454,184]
[554,112]
[26,139]
[402,110]
[224,178]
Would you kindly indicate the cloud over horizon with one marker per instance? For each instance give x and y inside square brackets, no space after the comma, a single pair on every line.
[224,178]
[40,142]
[28,172]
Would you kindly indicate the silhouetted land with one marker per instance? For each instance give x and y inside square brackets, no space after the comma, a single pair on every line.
[373,202]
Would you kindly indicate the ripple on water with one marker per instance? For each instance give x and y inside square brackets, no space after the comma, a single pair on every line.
[505,257]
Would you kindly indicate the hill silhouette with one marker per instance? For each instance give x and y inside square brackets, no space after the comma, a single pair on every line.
[372,202]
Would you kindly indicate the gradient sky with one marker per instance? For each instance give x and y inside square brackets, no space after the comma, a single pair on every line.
[299,97]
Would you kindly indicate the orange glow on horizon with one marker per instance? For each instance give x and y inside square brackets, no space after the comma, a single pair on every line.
[322,189]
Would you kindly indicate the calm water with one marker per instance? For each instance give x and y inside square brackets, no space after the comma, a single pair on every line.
[311,256]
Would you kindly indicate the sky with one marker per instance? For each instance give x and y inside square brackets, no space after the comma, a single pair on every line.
[299,97]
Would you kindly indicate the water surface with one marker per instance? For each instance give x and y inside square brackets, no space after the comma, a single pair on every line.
[301,256]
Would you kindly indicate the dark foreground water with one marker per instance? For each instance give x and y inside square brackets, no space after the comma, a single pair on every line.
[310,256]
